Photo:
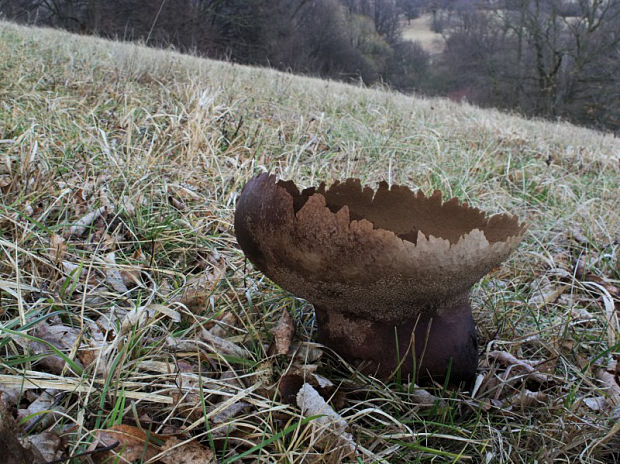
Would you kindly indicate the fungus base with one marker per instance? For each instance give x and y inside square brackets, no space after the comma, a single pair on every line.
[441,344]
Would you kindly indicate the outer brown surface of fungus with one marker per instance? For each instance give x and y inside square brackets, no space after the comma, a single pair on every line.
[378,266]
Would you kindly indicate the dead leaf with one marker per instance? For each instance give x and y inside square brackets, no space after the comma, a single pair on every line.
[330,423]
[84,222]
[133,444]
[512,362]
[615,415]
[229,412]
[188,396]
[58,248]
[579,237]
[544,292]
[223,346]
[290,383]
[230,377]
[48,444]
[104,201]
[131,277]
[596,403]
[5,181]
[581,314]
[198,289]
[60,336]
[113,274]
[13,452]
[611,387]
[222,323]
[178,204]
[142,314]
[183,193]
[10,395]
[136,317]
[130,204]
[175,451]
[612,309]
[263,375]
[139,256]
[527,398]
[424,398]
[108,321]
[93,344]
[283,333]
[43,405]
[306,352]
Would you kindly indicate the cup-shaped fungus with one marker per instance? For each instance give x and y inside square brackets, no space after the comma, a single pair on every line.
[389,272]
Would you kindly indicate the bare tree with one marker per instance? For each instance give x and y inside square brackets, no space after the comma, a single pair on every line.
[531,55]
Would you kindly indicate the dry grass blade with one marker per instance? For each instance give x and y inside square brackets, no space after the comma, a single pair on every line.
[120,169]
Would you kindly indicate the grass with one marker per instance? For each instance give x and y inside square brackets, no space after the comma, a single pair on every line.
[160,145]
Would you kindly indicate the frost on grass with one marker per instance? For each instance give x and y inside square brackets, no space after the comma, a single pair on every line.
[138,157]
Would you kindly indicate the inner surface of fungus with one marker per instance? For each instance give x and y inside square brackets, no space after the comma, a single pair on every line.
[404,212]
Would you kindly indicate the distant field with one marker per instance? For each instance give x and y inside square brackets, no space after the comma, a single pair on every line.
[124,295]
[419,30]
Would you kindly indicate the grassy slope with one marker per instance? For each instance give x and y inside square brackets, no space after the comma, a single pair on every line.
[85,123]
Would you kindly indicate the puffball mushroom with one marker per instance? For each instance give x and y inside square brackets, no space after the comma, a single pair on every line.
[388,272]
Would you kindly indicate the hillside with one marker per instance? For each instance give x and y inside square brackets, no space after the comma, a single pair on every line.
[119,171]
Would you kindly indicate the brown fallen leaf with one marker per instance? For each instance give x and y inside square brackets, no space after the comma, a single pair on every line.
[184,193]
[306,352]
[108,321]
[42,411]
[131,277]
[5,181]
[513,362]
[175,451]
[527,399]
[424,398]
[48,444]
[85,221]
[596,403]
[290,384]
[331,426]
[611,387]
[58,248]
[199,289]
[113,275]
[611,303]
[10,395]
[130,204]
[13,452]
[104,200]
[223,346]
[264,376]
[224,416]
[60,336]
[545,291]
[93,343]
[231,377]
[133,444]
[283,333]
[188,396]
[222,323]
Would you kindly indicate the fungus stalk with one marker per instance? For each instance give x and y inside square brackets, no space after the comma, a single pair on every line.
[389,272]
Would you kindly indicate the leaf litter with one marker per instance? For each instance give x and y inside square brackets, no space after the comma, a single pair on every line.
[120,259]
